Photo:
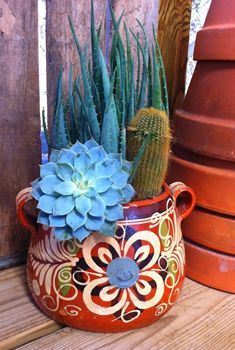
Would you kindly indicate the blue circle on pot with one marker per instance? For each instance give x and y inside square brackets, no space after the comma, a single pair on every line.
[123,272]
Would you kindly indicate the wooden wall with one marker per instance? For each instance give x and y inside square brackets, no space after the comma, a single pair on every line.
[19,115]
[173,37]
[19,122]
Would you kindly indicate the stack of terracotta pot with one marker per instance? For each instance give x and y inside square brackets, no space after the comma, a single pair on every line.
[204,155]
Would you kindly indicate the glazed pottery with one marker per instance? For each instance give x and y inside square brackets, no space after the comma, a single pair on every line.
[204,154]
[209,267]
[112,284]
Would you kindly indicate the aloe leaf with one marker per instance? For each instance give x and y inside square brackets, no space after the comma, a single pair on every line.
[59,128]
[84,117]
[72,125]
[45,128]
[59,88]
[118,87]
[138,76]
[59,139]
[157,96]
[144,80]
[97,101]
[123,142]
[115,38]
[99,31]
[131,106]
[121,51]
[129,62]
[110,127]
[80,117]
[162,76]
[95,48]
[92,115]
[139,156]
[150,82]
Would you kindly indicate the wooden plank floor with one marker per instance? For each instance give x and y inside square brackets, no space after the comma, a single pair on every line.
[203,319]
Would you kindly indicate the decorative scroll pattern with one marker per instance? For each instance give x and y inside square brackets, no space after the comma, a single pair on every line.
[77,274]
[52,262]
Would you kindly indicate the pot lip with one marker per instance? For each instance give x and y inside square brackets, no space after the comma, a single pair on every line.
[146,202]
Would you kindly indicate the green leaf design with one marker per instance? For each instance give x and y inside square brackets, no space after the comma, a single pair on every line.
[65,287]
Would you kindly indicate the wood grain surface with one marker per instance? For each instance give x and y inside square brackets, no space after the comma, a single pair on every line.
[19,121]
[202,319]
[20,320]
[173,37]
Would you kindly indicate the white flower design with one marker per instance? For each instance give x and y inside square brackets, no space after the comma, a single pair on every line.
[132,292]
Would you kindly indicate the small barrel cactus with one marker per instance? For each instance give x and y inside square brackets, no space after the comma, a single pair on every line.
[81,190]
[151,172]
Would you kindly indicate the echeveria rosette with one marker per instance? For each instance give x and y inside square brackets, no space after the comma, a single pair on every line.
[81,190]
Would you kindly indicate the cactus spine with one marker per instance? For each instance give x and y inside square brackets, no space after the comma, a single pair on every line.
[151,172]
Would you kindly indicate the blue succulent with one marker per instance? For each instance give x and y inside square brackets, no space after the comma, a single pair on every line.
[81,190]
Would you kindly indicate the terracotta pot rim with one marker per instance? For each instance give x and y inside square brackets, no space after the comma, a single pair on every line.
[146,202]
[211,268]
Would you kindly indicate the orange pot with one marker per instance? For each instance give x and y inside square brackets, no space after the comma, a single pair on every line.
[209,267]
[211,230]
[112,284]
[213,181]
[204,157]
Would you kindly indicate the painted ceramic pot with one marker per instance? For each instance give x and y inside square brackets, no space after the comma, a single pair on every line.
[112,284]
[210,267]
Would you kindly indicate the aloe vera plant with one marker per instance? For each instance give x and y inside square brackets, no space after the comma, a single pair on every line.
[102,101]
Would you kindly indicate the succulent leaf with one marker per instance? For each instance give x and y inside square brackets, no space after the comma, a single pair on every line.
[75,197]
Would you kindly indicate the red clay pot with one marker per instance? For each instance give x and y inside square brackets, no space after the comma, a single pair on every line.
[206,123]
[209,267]
[211,230]
[213,181]
[204,157]
[112,284]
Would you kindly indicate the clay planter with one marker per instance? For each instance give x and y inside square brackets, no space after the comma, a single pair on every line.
[206,123]
[204,156]
[205,227]
[209,267]
[112,284]
[212,180]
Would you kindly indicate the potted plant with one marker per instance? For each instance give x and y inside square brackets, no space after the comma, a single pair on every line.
[107,251]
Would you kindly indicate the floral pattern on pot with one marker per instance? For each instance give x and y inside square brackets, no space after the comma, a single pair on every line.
[116,280]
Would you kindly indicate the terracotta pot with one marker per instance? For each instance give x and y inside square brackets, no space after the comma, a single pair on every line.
[205,154]
[212,181]
[112,284]
[211,230]
[216,41]
[214,269]
[206,123]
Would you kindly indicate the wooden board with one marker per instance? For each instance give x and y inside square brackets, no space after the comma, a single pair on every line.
[20,320]
[173,37]
[203,319]
[19,122]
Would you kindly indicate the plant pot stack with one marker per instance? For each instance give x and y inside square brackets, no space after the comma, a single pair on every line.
[204,155]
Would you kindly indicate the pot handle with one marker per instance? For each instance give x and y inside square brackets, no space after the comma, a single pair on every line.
[22,198]
[184,197]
